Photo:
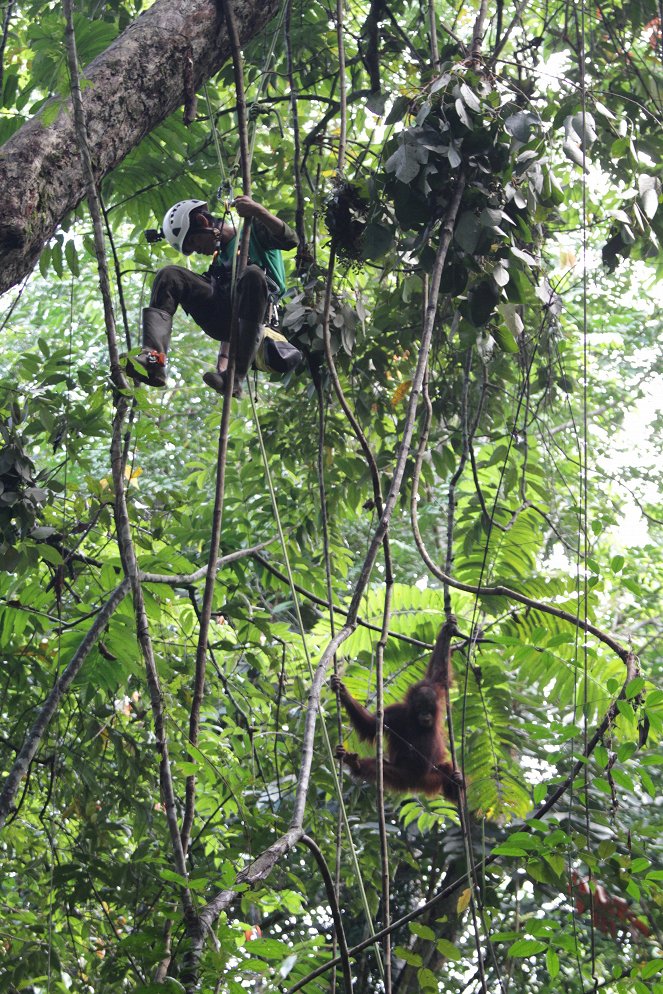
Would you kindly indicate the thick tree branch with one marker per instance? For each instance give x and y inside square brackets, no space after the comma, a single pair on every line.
[41,178]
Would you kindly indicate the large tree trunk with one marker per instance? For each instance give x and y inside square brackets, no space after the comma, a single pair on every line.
[136,83]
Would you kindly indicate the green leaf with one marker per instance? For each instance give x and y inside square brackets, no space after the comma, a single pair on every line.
[427,980]
[470,98]
[540,792]
[526,947]
[71,257]
[44,260]
[626,710]
[50,112]
[50,554]
[623,779]
[377,240]
[448,950]
[56,257]
[602,756]
[525,257]
[412,959]
[482,302]
[626,751]
[556,862]
[635,687]
[520,125]
[467,231]
[505,339]
[173,877]
[399,106]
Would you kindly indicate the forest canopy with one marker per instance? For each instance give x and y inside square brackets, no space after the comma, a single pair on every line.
[471,439]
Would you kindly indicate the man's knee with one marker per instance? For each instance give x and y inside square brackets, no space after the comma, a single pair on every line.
[174,285]
[252,294]
[253,280]
[168,277]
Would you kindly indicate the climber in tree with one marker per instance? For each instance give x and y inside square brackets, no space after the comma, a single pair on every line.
[189,227]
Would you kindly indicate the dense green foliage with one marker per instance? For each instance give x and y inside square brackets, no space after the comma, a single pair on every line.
[543,381]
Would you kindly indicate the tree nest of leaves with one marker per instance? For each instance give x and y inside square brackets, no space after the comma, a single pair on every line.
[346,216]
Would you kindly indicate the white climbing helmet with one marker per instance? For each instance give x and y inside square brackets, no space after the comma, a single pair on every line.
[177,221]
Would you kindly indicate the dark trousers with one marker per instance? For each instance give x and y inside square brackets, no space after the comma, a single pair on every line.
[207,302]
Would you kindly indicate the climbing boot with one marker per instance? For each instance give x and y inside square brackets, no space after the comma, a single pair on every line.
[249,337]
[217,381]
[157,327]
[216,378]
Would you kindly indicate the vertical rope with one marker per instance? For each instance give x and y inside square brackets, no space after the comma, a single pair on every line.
[300,798]
[222,451]
[584,499]
[379,743]
[432,27]
[297,169]
[324,517]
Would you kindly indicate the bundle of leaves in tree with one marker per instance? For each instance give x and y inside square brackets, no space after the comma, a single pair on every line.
[346,216]
[467,122]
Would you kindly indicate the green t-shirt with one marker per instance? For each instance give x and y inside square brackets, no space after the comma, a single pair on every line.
[261,253]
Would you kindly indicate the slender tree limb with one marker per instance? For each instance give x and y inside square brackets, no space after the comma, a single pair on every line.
[217,515]
[48,709]
[335,910]
[324,518]
[343,94]
[123,529]
[188,579]
[451,492]
[477,33]
[500,42]
[432,30]
[297,146]
[379,768]
[314,599]
[94,202]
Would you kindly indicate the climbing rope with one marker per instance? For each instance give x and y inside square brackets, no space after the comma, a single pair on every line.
[245,155]
[302,633]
